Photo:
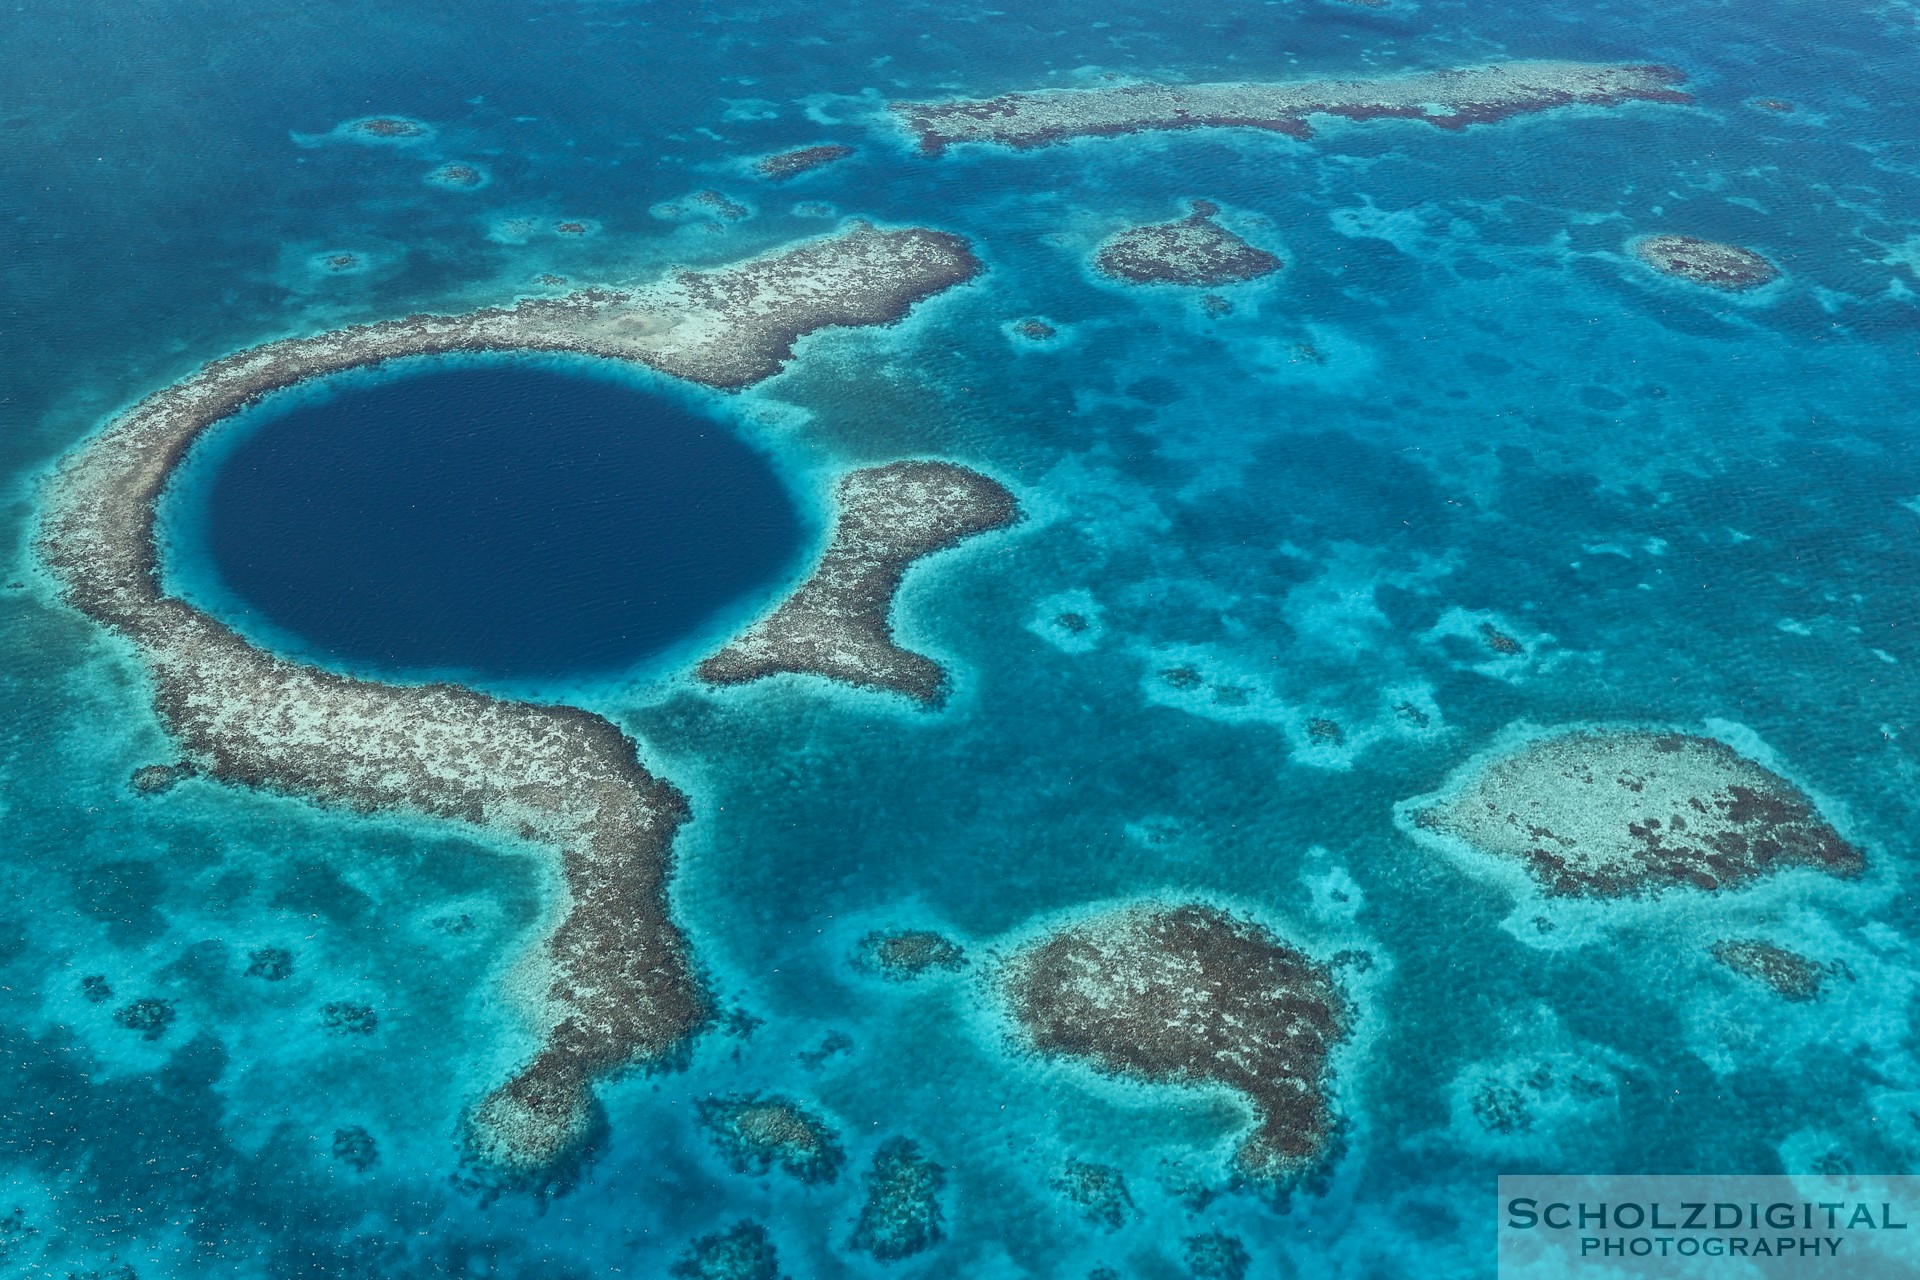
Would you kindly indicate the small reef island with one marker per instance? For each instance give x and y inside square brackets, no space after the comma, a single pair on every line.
[614,984]
[1194,250]
[1188,995]
[837,624]
[1451,99]
[1726,267]
[791,164]
[1633,812]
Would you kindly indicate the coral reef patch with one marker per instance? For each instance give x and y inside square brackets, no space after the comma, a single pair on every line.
[901,955]
[1451,99]
[1611,814]
[1711,263]
[1789,974]
[620,987]
[1194,250]
[1099,1191]
[743,1251]
[901,1214]
[755,1132]
[1186,995]
[837,623]
[791,164]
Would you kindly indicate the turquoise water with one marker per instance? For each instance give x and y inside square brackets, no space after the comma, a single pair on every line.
[1460,404]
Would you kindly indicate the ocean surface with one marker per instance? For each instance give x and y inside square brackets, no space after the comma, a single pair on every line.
[1461,405]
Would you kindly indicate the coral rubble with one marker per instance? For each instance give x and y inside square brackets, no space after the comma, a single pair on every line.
[354,1147]
[901,1214]
[1193,250]
[901,955]
[1099,1190]
[156,779]
[1191,994]
[757,1131]
[271,964]
[791,164]
[1450,99]
[150,1016]
[836,624]
[620,987]
[1609,814]
[1215,1255]
[1791,976]
[1726,267]
[743,1251]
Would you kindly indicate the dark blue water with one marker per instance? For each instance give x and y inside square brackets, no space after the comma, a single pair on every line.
[510,521]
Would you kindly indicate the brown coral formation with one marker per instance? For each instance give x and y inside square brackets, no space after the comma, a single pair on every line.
[1451,99]
[837,624]
[619,986]
[1193,250]
[1635,812]
[901,955]
[791,164]
[1709,262]
[1791,975]
[1187,995]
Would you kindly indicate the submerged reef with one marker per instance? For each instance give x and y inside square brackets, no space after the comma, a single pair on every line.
[157,779]
[743,1251]
[1186,995]
[837,623]
[1634,812]
[271,964]
[1791,975]
[1709,262]
[354,1147]
[150,1016]
[1193,250]
[1098,1190]
[1451,99]
[619,987]
[901,1215]
[1216,1256]
[901,955]
[791,164]
[757,1131]
[457,175]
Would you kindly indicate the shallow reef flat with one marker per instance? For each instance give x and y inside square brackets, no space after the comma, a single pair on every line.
[837,623]
[1188,995]
[620,988]
[1634,812]
[1449,99]
[1194,250]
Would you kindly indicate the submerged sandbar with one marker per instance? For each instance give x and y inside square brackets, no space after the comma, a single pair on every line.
[1450,99]
[618,987]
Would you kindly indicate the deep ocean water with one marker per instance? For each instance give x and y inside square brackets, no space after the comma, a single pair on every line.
[492,522]
[1462,405]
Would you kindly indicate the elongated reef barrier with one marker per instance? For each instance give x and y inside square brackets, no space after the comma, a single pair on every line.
[1448,99]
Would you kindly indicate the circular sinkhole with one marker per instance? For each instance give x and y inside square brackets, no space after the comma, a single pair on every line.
[509,521]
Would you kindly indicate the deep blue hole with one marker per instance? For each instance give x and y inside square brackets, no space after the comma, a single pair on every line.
[507,521]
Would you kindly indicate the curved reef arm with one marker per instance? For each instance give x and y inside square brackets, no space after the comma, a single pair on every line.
[620,986]
[837,623]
